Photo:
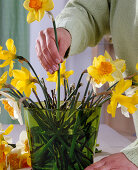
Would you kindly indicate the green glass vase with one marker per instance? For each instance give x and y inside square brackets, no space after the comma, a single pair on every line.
[62,143]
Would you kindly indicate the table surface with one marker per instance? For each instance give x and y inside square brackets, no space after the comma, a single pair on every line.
[110,142]
[108,139]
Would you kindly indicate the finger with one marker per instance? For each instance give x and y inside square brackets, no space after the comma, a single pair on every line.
[98,164]
[89,168]
[42,40]
[50,61]
[41,44]
[38,48]
[102,168]
[62,49]
[42,59]
[51,45]
[95,165]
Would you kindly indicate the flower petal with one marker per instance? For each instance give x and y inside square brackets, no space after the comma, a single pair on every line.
[63,67]
[26,5]
[111,108]
[48,5]
[1,48]
[27,90]
[19,74]
[10,46]
[124,111]
[11,68]
[20,85]
[3,78]
[107,56]
[39,15]
[137,66]
[31,17]
[26,71]
[52,77]
[122,86]
[5,63]
[69,73]
[6,95]
[4,55]
[8,130]
[120,65]
[23,136]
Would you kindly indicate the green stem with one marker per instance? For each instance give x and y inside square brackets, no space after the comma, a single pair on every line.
[74,136]
[58,92]
[37,77]
[43,149]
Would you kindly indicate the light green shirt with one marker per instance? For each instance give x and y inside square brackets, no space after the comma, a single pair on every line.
[89,20]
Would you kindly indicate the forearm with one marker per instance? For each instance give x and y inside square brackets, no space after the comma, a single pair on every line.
[86,20]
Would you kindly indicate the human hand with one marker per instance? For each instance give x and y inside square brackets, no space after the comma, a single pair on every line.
[47,51]
[116,161]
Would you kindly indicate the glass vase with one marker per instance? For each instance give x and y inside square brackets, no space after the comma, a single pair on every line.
[62,140]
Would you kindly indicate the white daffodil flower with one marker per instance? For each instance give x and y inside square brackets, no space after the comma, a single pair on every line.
[11,105]
[22,144]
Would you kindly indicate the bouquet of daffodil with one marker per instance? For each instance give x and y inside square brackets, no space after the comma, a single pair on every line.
[62,135]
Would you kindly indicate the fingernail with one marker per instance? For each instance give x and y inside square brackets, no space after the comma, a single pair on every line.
[54,67]
[50,71]
[62,59]
[57,61]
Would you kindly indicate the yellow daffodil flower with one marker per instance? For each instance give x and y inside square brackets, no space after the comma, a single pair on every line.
[13,159]
[3,79]
[4,148]
[37,9]
[118,98]
[12,107]
[7,131]
[25,161]
[16,160]
[20,156]
[3,138]
[137,66]
[4,151]
[24,81]
[104,69]
[9,55]
[130,92]
[135,78]
[63,75]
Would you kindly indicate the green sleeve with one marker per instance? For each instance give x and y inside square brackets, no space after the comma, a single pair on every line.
[131,151]
[86,20]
